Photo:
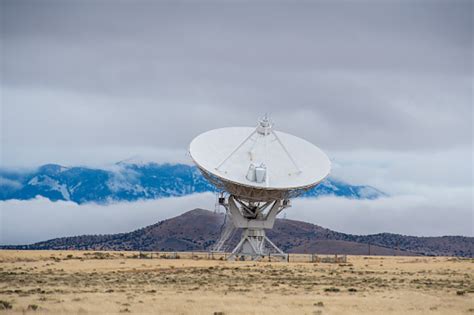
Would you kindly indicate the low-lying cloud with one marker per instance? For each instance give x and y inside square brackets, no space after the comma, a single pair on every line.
[447,213]
[24,222]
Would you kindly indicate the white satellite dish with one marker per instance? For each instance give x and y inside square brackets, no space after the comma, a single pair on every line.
[261,169]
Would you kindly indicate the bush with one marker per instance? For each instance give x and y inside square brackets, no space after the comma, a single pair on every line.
[331,289]
[32,307]
[320,304]
[4,305]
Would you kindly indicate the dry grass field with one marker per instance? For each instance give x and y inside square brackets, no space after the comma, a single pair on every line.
[74,282]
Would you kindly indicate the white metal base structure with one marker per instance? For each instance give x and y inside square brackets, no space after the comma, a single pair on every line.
[254,218]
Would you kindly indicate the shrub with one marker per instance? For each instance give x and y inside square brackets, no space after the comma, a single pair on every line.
[331,289]
[32,307]
[4,305]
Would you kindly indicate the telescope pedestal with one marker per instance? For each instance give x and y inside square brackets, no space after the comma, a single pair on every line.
[252,244]
[253,219]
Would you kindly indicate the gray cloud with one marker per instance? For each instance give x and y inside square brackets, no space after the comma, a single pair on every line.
[344,75]
[384,87]
[11,184]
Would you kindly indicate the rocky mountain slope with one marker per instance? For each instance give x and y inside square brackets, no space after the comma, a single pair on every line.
[127,181]
[197,230]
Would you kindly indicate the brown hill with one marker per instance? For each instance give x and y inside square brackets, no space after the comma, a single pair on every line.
[197,230]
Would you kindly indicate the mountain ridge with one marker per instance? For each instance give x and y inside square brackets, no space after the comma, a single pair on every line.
[129,182]
[198,230]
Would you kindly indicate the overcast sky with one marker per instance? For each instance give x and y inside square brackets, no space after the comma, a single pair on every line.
[384,87]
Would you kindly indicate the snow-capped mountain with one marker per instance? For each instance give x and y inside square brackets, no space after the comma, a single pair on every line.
[128,181]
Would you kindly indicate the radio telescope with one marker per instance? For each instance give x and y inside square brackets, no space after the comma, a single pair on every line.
[260,169]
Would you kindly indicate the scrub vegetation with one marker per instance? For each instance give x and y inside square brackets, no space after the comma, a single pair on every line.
[126,282]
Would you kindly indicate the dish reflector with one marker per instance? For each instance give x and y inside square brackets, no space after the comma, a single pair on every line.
[255,163]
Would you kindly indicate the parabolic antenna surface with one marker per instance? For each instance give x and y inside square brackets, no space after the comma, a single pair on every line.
[259,163]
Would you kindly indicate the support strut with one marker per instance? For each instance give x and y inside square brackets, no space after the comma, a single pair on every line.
[254,243]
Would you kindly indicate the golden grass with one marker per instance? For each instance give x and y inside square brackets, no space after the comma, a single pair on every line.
[77,282]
